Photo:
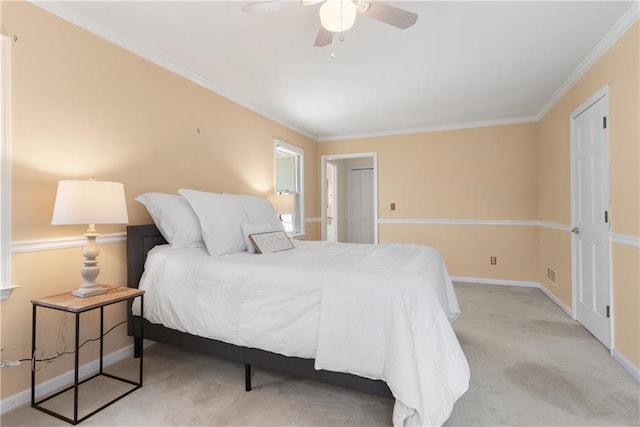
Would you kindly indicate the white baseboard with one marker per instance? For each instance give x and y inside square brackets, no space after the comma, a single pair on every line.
[62,380]
[500,282]
[555,299]
[626,365]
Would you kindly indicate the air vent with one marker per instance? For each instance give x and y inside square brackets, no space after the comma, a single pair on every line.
[551,275]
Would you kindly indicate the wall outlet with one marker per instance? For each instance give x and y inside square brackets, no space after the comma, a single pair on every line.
[393,206]
[493,260]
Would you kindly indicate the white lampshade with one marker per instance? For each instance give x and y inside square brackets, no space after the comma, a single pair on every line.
[338,16]
[282,203]
[90,202]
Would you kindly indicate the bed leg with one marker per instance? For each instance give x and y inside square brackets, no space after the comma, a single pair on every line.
[247,377]
[137,346]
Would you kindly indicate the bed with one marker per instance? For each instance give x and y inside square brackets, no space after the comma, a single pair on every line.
[322,310]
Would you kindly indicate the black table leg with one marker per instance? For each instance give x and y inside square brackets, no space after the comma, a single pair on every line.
[247,377]
[76,368]
[33,352]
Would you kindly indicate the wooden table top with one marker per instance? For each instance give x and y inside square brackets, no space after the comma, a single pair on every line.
[68,302]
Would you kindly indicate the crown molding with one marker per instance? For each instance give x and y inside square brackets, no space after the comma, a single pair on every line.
[622,26]
[428,129]
[619,29]
[83,22]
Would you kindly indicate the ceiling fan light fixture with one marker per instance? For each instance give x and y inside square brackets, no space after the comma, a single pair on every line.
[338,16]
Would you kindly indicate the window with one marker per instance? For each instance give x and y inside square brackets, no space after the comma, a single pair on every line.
[289,172]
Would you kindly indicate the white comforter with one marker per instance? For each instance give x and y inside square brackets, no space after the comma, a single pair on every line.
[378,311]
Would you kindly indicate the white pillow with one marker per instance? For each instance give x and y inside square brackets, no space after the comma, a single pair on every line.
[259,211]
[248,229]
[220,219]
[174,218]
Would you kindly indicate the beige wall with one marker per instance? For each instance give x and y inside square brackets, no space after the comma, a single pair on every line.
[471,174]
[479,173]
[467,248]
[83,108]
[554,251]
[626,299]
[620,69]
[519,172]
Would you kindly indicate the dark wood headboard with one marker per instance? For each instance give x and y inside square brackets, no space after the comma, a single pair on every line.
[140,240]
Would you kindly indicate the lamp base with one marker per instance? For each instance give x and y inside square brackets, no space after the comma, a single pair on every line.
[83,292]
[90,269]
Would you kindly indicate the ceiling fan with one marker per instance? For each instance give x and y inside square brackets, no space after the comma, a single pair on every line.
[338,16]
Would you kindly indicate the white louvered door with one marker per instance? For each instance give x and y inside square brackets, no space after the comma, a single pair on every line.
[360,206]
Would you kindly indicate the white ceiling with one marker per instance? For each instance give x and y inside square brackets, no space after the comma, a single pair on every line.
[463,63]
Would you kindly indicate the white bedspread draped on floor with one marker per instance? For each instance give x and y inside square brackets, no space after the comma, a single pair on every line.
[378,311]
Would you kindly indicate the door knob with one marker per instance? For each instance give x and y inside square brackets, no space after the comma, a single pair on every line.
[575,230]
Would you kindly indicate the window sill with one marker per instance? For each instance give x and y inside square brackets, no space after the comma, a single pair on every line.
[5,291]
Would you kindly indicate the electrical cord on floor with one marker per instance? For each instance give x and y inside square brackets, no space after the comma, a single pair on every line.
[34,360]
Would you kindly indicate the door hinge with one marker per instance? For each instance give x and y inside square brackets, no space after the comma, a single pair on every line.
[604,122]
[608,312]
[606,216]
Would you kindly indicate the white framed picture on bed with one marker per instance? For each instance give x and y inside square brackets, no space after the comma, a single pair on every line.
[273,241]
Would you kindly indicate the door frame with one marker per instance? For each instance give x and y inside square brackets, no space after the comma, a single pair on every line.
[5,165]
[334,207]
[323,188]
[601,93]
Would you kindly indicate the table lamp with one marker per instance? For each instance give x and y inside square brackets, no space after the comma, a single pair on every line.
[90,202]
[282,203]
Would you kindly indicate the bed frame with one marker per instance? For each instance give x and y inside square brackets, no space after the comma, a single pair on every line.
[140,240]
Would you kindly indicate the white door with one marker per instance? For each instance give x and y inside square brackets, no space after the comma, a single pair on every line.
[591,220]
[360,206]
[332,211]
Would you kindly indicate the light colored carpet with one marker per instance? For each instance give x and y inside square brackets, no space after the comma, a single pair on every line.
[530,365]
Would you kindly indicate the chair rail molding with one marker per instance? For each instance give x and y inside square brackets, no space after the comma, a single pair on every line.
[56,243]
[624,239]
[488,222]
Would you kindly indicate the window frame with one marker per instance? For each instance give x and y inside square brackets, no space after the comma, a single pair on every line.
[298,153]
[5,167]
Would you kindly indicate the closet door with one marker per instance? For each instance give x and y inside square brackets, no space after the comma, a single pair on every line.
[360,206]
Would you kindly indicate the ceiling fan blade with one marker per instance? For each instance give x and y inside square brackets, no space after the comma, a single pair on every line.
[324,38]
[264,6]
[310,2]
[391,15]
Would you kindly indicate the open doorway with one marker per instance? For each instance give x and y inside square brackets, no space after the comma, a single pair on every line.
[349,194]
